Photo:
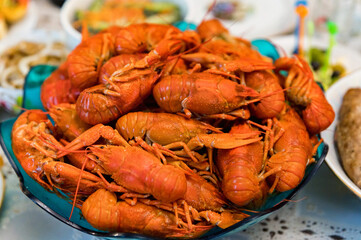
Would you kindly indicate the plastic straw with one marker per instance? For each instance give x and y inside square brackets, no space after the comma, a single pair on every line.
[332,29]
[302,11]
[310,33]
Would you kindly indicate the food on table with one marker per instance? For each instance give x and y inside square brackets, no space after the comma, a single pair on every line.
[105,13]
[16,61]
[163,124]
[311,100]
[332,74]
[348,134]
[11,11]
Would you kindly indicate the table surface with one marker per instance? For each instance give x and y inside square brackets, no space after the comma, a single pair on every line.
[324,209]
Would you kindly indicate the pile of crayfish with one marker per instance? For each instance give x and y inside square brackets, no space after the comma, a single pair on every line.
[169,133]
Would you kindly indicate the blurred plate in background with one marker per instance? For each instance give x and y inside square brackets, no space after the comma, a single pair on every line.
[188,9]
[348,57]
[10,96]
[23,26]
[262,18]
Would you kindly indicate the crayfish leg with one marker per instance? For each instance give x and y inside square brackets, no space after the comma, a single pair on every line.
[185,148]
[92,135]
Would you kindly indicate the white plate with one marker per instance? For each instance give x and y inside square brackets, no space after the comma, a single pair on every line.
[335,95]
[266,18]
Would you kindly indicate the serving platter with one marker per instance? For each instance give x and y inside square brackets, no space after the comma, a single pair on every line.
[334,96]
[2,188]
[60,208]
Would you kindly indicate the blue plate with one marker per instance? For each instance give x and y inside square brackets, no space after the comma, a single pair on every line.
[61,207]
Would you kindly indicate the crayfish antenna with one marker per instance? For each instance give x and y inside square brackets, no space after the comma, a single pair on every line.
[84,31]
[209,10]
[26,110]
[273,187]
[182,166]
[223,140]
[181,145]
[77,187]
[50,141]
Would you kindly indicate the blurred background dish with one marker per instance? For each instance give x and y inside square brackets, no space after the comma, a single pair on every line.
[18,56]
[17,21]
[335,96]
[343,60]
[100,14]
[250,18]
[105,13]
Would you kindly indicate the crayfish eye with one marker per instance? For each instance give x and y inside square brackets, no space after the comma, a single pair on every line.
[158,70]
[97,157]
[101,147]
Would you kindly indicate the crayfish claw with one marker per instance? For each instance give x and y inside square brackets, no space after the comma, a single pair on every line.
[222,220]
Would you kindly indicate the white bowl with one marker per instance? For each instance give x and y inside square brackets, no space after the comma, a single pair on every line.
[188,10]
[335,96]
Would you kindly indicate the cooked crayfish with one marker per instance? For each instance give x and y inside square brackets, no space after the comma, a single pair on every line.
[217,40]
[140,171]
[85,61]
[99,104]
[57,88]
[202,93]
[161,128]
[174,131]
[67,120]
[35,148]
[172,42]
[240,168]
[266,83]
[292,151]
[303,91]
[104,212]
